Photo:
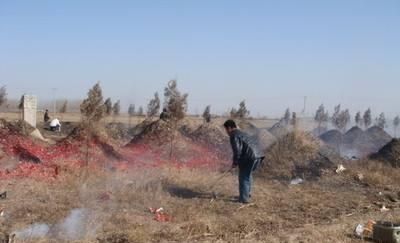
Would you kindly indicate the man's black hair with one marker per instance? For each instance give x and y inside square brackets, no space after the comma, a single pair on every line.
[230,124]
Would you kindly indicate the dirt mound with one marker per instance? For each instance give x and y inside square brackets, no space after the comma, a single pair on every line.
[248,127]
[332,137]
[188,126]
[319,131]
[390,153]
[161,142]
[354,134]
[357,143]
[158,132]
[212,137]
[279,129]
[378,136]
[118,131]
[20,127]
[296,154]
[265,139]
[211,134]
[96,137]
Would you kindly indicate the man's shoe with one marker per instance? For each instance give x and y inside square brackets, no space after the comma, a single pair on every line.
[244,201]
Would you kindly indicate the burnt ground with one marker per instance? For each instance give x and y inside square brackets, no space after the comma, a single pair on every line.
[325,208]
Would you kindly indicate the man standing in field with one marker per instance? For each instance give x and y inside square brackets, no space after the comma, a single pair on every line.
[245,156]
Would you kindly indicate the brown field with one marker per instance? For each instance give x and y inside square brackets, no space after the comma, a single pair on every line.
[115,204]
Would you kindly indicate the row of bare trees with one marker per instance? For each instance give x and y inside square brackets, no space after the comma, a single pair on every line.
[93,108]
[340,119]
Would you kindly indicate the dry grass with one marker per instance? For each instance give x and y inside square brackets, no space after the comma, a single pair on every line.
[296,149]
[323,211]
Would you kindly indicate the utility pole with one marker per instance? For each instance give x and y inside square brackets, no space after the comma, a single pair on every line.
[54,101]
[305,105]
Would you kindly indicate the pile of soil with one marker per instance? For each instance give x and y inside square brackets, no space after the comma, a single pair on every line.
[162,142]
[248,127]
[96,138]
[188,126]
[297,154]
[378,136]
[319,131]
[354,134]
[279,129]
[158,132]
[332,137]
[263,137]
[357,143]
[118,131]
[212,136]
[390,153]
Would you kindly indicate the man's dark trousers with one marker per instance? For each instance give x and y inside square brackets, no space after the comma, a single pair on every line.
[245,180]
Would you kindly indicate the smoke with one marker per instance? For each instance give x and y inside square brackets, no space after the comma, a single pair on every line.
[73,227]
[33,231]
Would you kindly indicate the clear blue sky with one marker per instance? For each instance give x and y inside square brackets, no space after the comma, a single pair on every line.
[271,53]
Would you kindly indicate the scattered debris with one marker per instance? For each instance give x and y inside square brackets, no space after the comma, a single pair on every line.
[296,181]
[359,230]
[340,169]
[160,215]
[3,195]
[384,209]
[362,231]
[246,206]
[359,177]
[105,196]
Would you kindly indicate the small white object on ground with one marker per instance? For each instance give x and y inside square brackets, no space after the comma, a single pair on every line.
[340,169]
[359,230]
[384,209]
[296,181]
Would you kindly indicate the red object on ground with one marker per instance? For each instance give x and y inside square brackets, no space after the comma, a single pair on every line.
[160,215]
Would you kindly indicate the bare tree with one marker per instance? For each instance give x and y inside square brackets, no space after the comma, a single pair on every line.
[116,108]
[286,117]
[63,108]
[294,119]
[207,114]
[175,102]
[240,113]
[341,119]
[140,111]
[153,108]
[346,118]
[108,106]
[396,123]
[381,121]
[367,118]
[92,108]
[321,117]
[131,112]
[3,95]
[243,112]
[233,113]
[335,115]
[358,119]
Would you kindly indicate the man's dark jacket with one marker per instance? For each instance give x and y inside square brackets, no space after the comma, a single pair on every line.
[245,149]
